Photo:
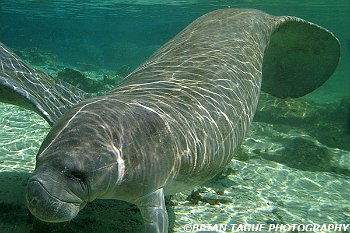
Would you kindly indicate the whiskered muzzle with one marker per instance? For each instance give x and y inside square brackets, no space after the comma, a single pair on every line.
[47,207]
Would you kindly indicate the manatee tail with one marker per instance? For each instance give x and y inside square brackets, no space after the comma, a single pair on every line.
[22,85]
[300,57]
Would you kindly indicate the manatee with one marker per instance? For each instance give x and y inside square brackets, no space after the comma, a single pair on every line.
[174,122]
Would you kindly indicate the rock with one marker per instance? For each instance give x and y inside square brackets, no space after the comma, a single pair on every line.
[329,124]
[96,86]
[38,57]
[80,80]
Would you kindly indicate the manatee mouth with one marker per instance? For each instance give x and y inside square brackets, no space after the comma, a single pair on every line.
[49,208]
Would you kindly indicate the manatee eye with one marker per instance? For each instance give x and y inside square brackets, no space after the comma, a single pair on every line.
[76,175]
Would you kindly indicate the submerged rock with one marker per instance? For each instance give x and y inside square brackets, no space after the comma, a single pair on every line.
[88,66]
[329,124]
[208,196]
[86,83]
[344,110]
[306,155]
[38,57]
[293,112]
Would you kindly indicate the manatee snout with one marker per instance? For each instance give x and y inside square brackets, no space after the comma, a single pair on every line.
[43,205]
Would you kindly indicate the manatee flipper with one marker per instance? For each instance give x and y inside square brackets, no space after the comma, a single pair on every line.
[25,86]
[153,211]
[300,57]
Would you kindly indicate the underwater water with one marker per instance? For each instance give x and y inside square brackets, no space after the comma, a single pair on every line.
[294,164]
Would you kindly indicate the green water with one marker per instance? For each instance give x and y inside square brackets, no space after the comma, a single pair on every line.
[293,167]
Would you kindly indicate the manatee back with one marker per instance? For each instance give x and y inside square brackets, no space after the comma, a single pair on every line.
[205,82]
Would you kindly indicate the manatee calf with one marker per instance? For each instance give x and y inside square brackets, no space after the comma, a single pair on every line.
[174,122]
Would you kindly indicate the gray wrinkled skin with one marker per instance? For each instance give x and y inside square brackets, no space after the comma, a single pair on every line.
[173,123]
[23,85]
